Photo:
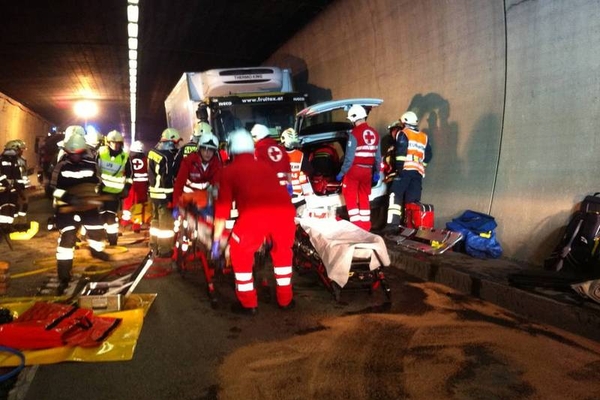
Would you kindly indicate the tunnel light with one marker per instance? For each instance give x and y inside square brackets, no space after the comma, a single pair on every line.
[133,64]
[133,43]
[85,109]
[132,29]
[133,1]
[133,54]
[133,13]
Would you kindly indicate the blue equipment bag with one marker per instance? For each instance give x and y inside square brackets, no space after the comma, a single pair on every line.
[478,233]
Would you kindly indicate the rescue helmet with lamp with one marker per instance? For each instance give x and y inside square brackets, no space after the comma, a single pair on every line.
[170,135]
[289,138]
[75,145]
[356,112]
[201,128]
[259,132]
[409,118]
[240,141]
[137,147]
[208,141]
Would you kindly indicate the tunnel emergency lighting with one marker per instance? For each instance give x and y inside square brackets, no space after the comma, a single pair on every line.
[133,43]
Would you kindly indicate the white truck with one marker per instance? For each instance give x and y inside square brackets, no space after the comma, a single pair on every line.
[234,98]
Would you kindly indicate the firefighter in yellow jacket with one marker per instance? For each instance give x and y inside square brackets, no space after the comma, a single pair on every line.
[117,177]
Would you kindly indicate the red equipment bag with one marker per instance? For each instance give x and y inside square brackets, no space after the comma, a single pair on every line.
[418,215]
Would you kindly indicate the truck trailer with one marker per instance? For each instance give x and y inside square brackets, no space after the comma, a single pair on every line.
[234,98]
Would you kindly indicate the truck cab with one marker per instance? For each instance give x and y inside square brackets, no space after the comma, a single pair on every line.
[234,98]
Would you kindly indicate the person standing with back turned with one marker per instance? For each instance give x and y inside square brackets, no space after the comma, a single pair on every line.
[413,152]
[265,214]
[360,167]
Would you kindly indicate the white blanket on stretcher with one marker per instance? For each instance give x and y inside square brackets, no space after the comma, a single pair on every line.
[338,242]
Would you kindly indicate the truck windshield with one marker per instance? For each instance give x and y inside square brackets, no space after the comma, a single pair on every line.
[276,117]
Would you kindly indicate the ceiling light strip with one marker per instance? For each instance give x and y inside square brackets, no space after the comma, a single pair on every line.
[133,13]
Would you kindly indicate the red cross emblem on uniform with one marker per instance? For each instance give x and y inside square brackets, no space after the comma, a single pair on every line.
[369,137]
[137,163]
[275,153]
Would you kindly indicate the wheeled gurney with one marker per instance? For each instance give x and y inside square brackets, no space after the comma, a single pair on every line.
[344,256]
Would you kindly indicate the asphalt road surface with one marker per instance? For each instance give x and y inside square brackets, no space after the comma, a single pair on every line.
[431,343]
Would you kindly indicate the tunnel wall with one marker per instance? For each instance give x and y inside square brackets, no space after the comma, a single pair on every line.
[507,91]
[19,122]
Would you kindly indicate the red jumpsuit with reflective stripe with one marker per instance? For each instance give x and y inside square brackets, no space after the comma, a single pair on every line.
[356,186]
[265,214]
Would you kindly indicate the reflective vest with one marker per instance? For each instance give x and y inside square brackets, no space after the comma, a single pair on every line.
[415,155]
[139,164]
[160,174]
[297,176]
[367,144]
[112,170]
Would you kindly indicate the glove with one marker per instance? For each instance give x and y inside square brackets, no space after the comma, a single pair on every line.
[376,177]
[175,212]
[290,189]
[339,177]
[215,250]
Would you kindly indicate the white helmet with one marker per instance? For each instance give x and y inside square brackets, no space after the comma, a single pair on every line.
[170,135]
[75,144]
[240,141]
[409,118]
[74,130]
[259,132]
[209,141]
[114,136]
[289,138]
[137,147]
[93,138]
[356,112]
[202,128]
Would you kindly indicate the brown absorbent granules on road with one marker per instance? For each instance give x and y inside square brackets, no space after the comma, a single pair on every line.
[462,349]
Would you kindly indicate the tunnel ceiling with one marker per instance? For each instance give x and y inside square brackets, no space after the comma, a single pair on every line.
[55,53]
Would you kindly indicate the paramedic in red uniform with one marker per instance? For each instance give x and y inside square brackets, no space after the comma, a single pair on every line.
[197,170]
[267,149]
[265,214]
[413,152]
[138,195]
[361,167]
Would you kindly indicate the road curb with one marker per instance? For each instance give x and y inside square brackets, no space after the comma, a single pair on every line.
[490,283]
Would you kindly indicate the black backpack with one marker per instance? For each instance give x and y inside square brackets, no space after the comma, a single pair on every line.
[578,251]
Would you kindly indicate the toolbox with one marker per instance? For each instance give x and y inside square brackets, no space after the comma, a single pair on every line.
[111,296]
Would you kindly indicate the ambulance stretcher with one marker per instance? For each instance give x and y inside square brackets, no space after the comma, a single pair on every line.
[344,256]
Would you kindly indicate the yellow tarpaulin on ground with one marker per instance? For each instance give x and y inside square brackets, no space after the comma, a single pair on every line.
[119,346]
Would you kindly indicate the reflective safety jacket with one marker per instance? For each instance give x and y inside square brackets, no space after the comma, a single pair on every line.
[413,151]
[160,173]
[69,178]
[362,149]
[115,170]
[189,148]
[195,175]
[273,153]
[297,176]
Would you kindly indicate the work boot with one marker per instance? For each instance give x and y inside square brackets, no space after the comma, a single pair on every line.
[62,286]
[391,229]
[237,308]
[100,255]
